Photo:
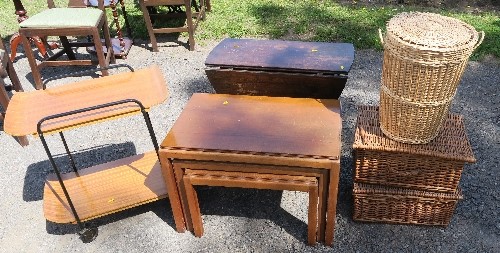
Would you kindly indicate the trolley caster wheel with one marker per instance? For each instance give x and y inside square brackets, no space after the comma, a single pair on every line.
[88,234]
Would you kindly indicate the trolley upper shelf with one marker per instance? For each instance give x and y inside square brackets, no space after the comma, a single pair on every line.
[26,109]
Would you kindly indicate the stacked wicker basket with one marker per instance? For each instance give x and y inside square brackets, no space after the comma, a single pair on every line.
[396,180]
[404,183]
[425,56]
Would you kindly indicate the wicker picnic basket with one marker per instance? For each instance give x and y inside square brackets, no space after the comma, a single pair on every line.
[425,55]
[376,203]
[436,166]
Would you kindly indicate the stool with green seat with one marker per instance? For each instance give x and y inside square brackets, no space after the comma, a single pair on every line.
[65,22]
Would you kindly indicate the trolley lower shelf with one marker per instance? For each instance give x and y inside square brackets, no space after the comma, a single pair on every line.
[105,188]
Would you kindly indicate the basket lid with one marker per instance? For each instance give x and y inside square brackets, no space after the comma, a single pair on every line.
[451,143]
[432,31]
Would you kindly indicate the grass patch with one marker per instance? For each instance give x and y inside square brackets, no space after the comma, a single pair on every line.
[307,20]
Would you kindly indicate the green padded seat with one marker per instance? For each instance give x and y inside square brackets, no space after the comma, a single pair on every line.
[63,17]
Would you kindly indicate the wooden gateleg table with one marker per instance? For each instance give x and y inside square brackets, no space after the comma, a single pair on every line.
[256,142]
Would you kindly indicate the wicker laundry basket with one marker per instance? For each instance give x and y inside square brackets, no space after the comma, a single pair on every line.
[425,55]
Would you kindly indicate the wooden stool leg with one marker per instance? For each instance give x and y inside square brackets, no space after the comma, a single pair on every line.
[193,206]
[312,217]
[35,72]
[149,26]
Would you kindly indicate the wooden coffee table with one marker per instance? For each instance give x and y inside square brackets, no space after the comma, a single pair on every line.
[264,138]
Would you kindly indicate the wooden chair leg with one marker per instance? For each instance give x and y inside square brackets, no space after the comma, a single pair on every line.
[189,20]
[149,26]
[35,72]
[194,207]
[14,44]
[203,5]
[125,18]
[209,6]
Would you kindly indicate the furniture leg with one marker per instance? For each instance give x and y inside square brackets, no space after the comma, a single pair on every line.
[147,20]
[209,6]
[173,194]
[189,20]
[107,41]
[332,203]
[127,24]
[179,175]
[323,197]
[14,78]
[203,9]
[100,52]
[312,217]
[35,72]
[4,97]
[67,47]
[112,5]
[193,206]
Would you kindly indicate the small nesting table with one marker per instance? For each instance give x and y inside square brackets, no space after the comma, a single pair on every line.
[256,142]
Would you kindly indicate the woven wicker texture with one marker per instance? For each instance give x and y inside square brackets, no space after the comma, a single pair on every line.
[396,205]
[410,122]
[436,166]
[425,55]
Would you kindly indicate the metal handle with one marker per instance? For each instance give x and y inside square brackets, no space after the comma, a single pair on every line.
[86,109]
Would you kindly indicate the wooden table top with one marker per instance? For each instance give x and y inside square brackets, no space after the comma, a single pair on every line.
[283,55]
[301,127]
[27,108]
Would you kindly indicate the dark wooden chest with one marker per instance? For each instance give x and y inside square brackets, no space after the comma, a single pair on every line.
[279,68]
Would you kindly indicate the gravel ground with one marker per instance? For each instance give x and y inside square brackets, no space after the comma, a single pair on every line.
[247,220]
